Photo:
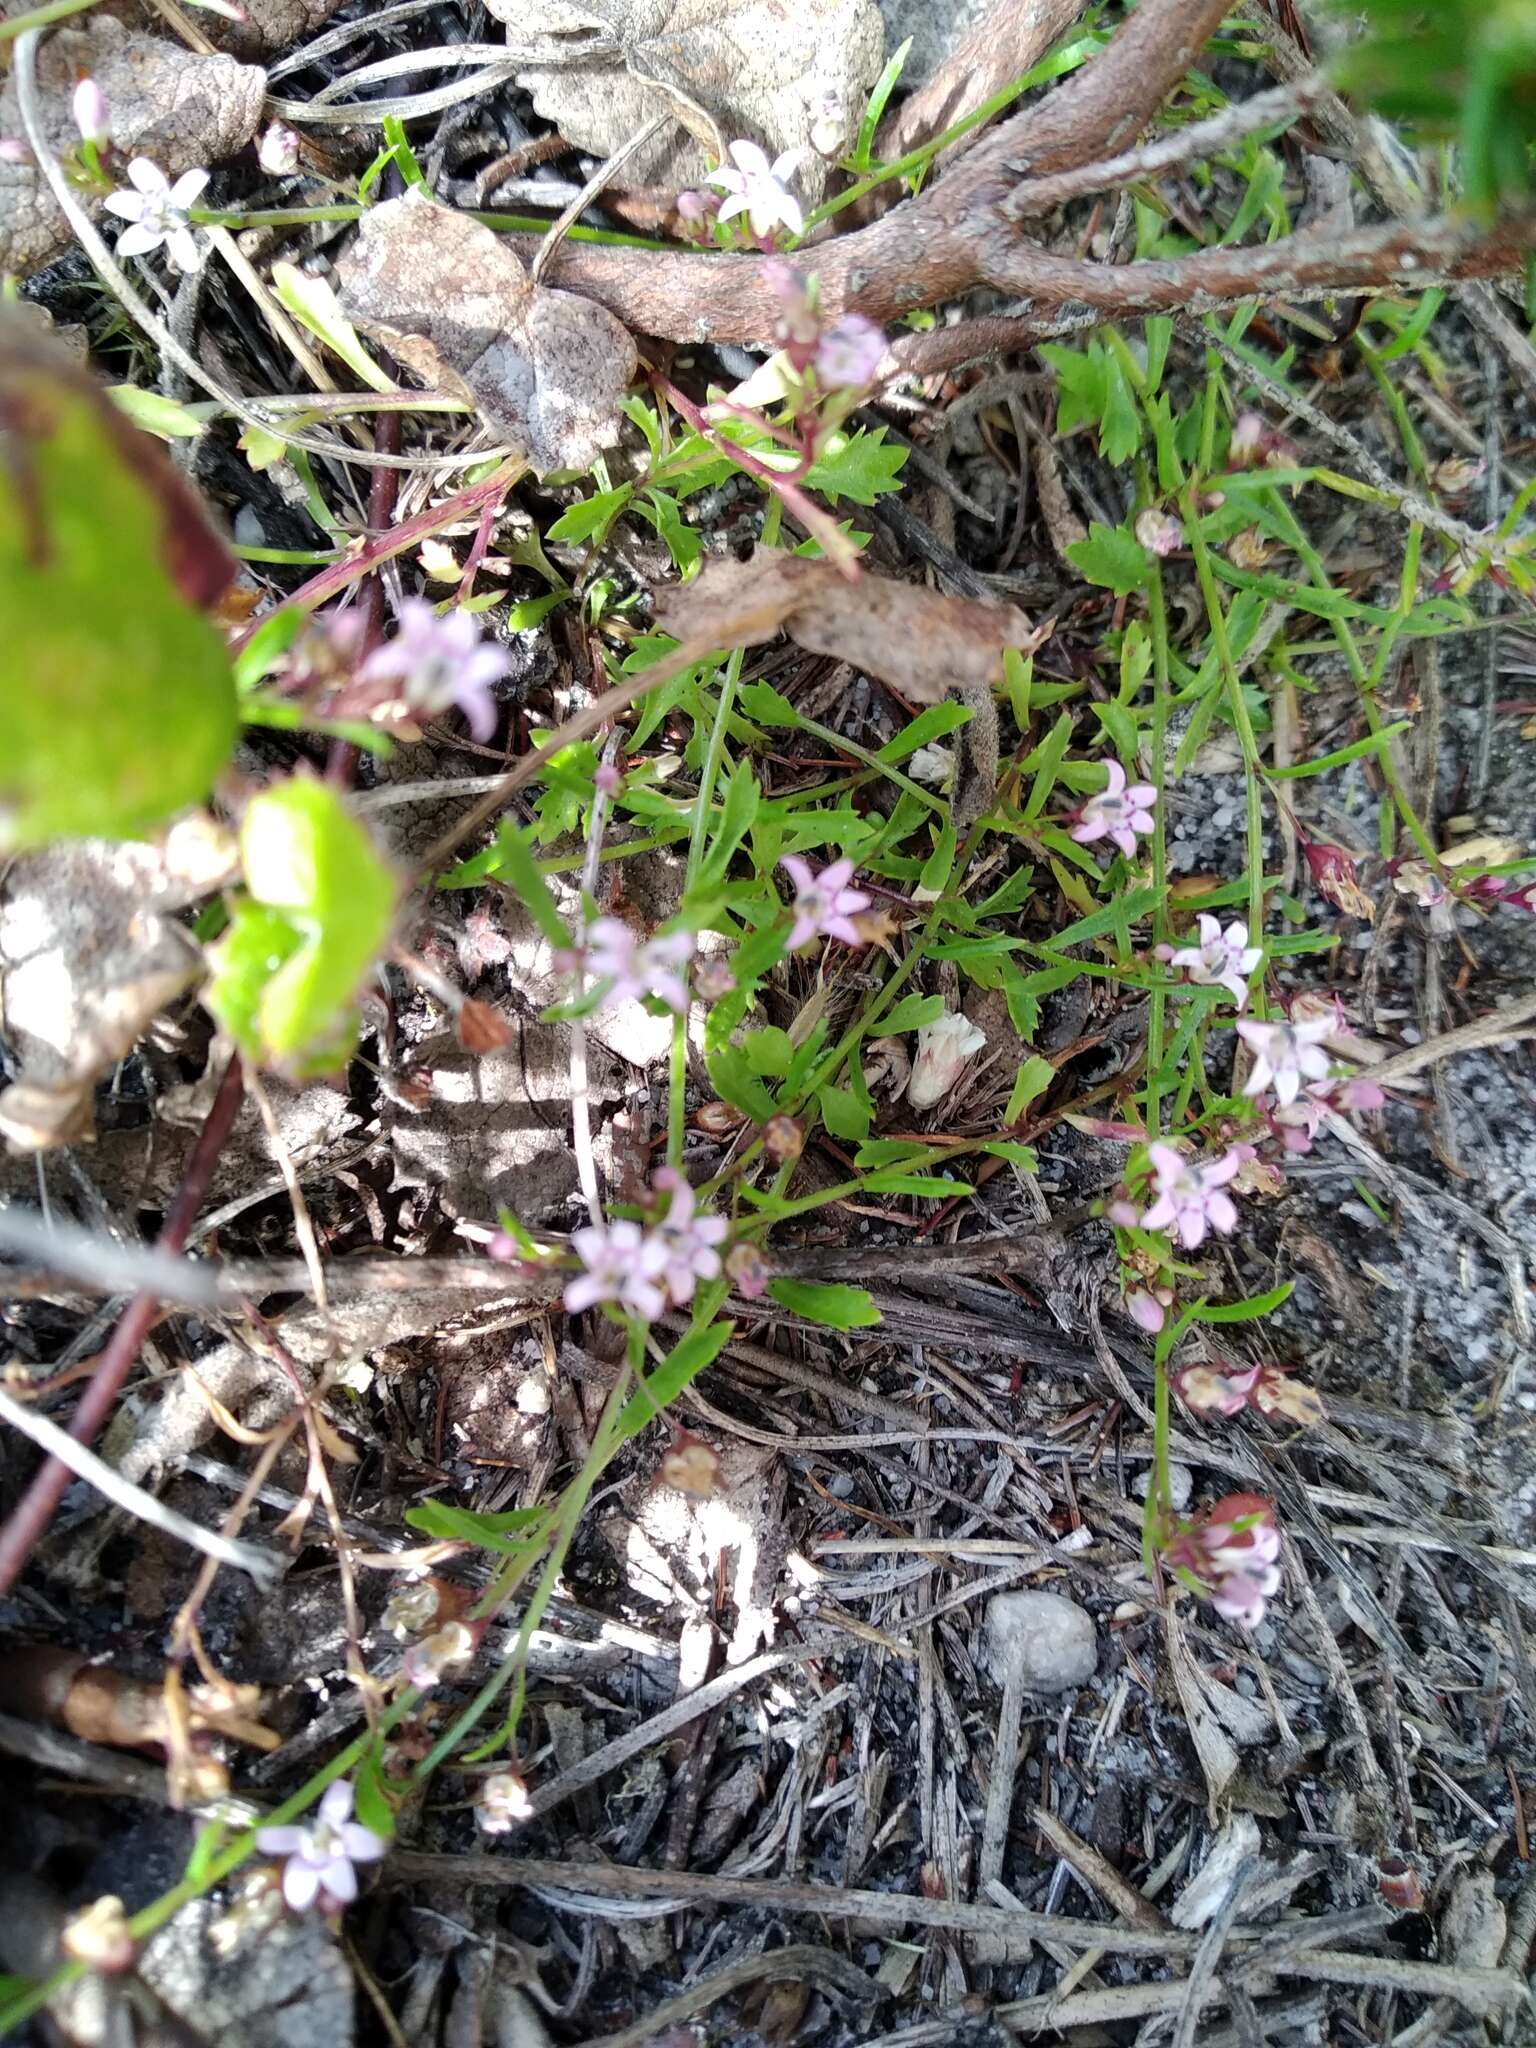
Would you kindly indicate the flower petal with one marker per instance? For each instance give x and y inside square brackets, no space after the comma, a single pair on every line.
[138,240]
[288,1841]
[301,1884]
[148,177]
[188,189]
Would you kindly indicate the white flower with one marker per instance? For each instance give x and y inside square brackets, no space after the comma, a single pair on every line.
[156,211]
[932,764]
[1223,959]
[757,189]
[278,150]
[1286,1055]
[943,1047]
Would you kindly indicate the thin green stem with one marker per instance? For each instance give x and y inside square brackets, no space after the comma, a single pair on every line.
[1237,710]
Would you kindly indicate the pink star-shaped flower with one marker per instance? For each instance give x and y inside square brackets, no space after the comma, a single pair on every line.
[1285,1055]
[824,904]
[1117,812]
[1223,959]
[1190,1197]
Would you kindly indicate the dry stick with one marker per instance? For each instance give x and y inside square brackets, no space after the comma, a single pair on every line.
[32,1513]
[1518,1021]
[800,1964]
[1477,1989]
[602,177]
[1037,196]
[85,1464]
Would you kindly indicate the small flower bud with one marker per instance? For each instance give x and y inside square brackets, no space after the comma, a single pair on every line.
[15,149]
[483,1029]
[783,1138]
[1334,876]
[718,1120]
[278,150]
[425,1662]
[417,1605]
[712,980]
[691,1466]
[88,105]
[1159,531]
[1400,1885]
[748,1271]
[99,1937]
[606,779]
[502,1803]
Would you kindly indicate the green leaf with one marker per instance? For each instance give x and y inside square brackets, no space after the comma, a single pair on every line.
[1120,423]
[939,864]
[157,415]
[861,467]
[1247,1311]
[739,807]
[118,697]
[762,702]
[321,903]
[533,611]
[312,302]
[1046,763]
[933,724]
[591,517]
[768,1051]
[697,1351]
[735,1083]
[844,1115]
[928,1185]
[445,1523]
[835,1308]
[684,543]
[1081,384]
[911,1014]
[1110,557]
[1114,917]
[884,86]
[1023,1156]
[1031,1081]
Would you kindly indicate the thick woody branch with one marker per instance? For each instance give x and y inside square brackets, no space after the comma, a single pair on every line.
[951,237]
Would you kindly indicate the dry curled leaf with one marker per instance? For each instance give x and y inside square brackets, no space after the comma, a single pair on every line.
[90,951]
[768,70]
[546,369]
[925,645]
[169,104]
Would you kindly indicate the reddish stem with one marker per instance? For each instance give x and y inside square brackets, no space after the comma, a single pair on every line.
[339,576]
[35,1509]
[835,545]
[341,762]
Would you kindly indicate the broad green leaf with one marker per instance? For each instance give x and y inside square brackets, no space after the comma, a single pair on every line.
[739,806]
[762,702]
[911,1014]
[1120,425]
[318,913]
[698,1350]
[861,467]
[836,1308]
[768,1051]
[1110,557]
[735,1083]
[933,724]
[311,301]
[117,693]
[590,518]
[1031,1081]
[844,1115]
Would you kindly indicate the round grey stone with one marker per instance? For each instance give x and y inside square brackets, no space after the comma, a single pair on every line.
[1048,1639]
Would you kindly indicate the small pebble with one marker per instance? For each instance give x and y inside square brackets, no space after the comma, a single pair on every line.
[1181,1484]
[1046,1636]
